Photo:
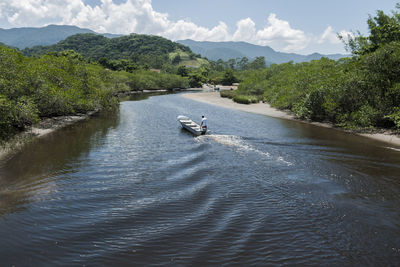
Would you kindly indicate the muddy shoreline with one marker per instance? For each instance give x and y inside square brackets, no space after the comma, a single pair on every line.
[45,127]
[49,125]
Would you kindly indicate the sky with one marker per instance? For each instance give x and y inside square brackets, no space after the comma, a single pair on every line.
[298,26]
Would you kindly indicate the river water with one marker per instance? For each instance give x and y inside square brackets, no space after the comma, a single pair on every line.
[135,189]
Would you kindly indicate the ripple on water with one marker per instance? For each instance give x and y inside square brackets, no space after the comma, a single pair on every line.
[137,189]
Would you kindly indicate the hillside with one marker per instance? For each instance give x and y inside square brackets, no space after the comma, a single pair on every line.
[140,49]
[228,50]
[50,35]
[29,37]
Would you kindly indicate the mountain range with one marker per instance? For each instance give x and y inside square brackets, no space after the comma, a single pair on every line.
[228,50]
[52,34]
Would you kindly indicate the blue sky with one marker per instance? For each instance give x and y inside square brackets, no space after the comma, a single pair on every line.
[309,15]
[287,25]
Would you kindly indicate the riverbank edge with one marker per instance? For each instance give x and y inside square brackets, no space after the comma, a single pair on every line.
[214,98]
[44,127]
[49,125]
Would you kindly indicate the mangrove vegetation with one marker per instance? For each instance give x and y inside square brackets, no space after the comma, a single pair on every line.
[64,83]
[86,72]
[359,92]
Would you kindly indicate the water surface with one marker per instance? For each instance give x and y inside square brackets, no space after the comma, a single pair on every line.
[133,188]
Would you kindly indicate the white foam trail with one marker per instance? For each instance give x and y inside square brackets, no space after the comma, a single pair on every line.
[284,161]
[233,141]
[238,143]
[392,148]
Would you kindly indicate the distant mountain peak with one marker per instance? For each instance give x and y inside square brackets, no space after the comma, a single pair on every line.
[48,35]
[230,49]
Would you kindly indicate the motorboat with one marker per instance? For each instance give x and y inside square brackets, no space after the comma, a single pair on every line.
[191,126]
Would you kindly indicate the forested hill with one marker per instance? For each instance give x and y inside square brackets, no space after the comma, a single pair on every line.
[153,51]
[228,50]
[51,34]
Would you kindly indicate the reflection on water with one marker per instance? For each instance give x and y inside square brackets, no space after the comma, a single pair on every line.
[143,96]
[29,172]
[135,188]
[377,163]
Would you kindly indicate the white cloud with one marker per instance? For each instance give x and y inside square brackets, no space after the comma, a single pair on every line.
[279,32]
[129,16]
[138,16]
[188,30]
[329,36]
[246,30]
[346,35]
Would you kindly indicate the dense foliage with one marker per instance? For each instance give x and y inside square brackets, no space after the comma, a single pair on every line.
[136,49]
[229,72]
[63,84]
[137,52]
[239,64]
[86,71]
[361,92]
[47,86]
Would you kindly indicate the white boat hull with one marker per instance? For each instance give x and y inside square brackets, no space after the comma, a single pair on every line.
[191,126]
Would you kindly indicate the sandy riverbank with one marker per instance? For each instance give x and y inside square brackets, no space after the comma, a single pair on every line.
[214,98]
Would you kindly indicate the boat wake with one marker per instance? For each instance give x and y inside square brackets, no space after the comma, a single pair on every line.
[238,143]
[392,148]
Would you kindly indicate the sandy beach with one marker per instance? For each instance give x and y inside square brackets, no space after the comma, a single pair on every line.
[214,98]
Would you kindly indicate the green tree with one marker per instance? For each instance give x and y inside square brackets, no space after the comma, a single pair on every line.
[242,64]
[182,71]
[257,63]
[176,59]
[229,77]
[219,65]
[195,80]
[383,30]
[231,63]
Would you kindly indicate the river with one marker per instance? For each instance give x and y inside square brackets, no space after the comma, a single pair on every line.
[134,189]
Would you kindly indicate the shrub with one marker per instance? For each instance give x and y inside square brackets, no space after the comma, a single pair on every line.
[229,78]
[365,117]
[228,94]
[395,117]
[301,109]
[245,99]
[26,113]
[6,117]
